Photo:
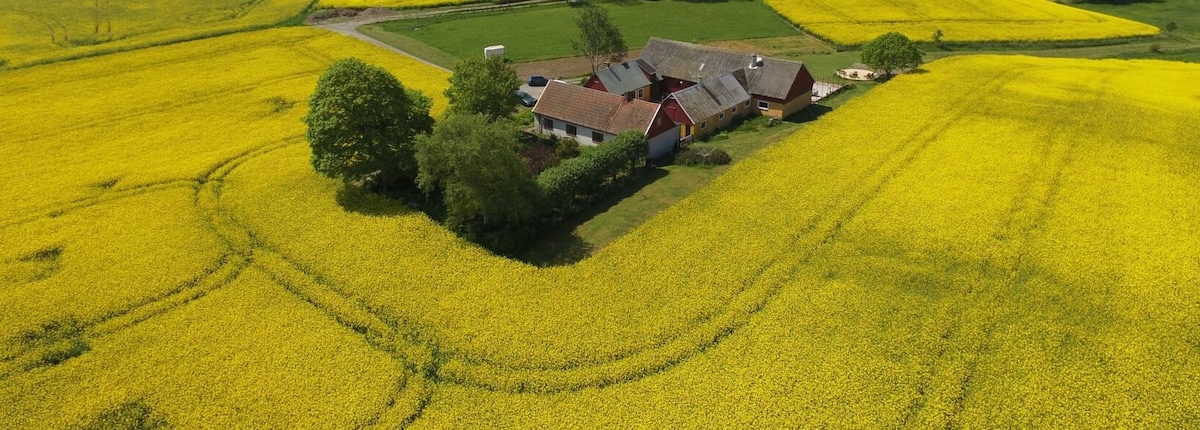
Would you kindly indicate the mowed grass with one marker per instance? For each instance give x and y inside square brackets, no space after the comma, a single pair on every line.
[1184,13]
[399,4]
[854,23]
[540,33]
[38,31]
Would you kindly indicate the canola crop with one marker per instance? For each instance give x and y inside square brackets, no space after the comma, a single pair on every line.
[39,31]
[857,22]
[1014,246]
[399,4]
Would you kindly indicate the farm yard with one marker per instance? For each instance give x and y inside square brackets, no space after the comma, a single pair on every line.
[1015,247]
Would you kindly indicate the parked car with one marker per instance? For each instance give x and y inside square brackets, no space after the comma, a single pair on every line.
[537,81]
[526,99]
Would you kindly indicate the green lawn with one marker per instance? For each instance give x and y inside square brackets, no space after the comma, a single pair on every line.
[1184,13]
[654,189]
[539,33]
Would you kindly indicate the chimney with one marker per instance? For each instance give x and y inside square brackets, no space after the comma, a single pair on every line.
[755,61]
[629,96]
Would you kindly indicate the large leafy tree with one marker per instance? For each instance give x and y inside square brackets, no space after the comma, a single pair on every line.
[484,182]
[362,124]
[890,52]
[483,86]
[599,39]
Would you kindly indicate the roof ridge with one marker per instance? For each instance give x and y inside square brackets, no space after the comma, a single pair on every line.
[698,46]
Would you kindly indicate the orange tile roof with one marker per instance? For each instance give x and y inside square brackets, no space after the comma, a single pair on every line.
[597,110]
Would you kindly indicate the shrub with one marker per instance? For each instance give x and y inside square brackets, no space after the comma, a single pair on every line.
[566,148]
[1155,48]
[700,156]
[723,135]
[523,118]
[581,177]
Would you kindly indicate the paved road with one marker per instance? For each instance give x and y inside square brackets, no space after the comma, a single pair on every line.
[536,92]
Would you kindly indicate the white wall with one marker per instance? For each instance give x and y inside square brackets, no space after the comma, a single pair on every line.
[582,134]
[663,144]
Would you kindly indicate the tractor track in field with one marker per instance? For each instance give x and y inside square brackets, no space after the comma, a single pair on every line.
[633,365]
[963,343]
[246,249]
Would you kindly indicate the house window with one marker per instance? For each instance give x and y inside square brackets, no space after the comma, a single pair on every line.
[704,125]
[597,137]
[734,108]
[747,103]
[722,116]
[571,130]
[763,105]
[641,91]
[548,123]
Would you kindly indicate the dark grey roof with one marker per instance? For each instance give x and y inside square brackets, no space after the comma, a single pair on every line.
[648,68]
[712,96]
[695,63]
[622,78]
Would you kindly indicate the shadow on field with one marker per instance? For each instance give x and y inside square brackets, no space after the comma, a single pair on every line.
[811,113]
[354,199]
[562,246]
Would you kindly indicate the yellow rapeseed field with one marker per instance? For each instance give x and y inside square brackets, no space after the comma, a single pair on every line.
[400,4]
[1000,241]
[111,251]
[33,31]
[859,21]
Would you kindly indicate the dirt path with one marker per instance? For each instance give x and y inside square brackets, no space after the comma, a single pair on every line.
[349,25]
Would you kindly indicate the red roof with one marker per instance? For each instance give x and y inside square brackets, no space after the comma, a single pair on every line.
[597,110]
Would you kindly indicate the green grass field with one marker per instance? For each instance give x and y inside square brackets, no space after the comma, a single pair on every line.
[545,32]
[1184,13]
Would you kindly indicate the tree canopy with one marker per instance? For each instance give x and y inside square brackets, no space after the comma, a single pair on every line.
[599,39]
[485,184]
[890,52]
[483,86]
[362,124]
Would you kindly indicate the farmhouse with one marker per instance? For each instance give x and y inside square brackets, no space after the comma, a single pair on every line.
[778,88]
[636,78]
[698,89]
[709,105]
[592,117]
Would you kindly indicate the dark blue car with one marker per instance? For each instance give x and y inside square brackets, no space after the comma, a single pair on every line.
[526,99]
[537,81]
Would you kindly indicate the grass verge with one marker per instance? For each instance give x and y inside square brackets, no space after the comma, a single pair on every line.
[546,32]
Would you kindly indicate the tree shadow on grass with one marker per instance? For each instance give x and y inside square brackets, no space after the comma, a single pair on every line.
[562,245]
[809,114]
